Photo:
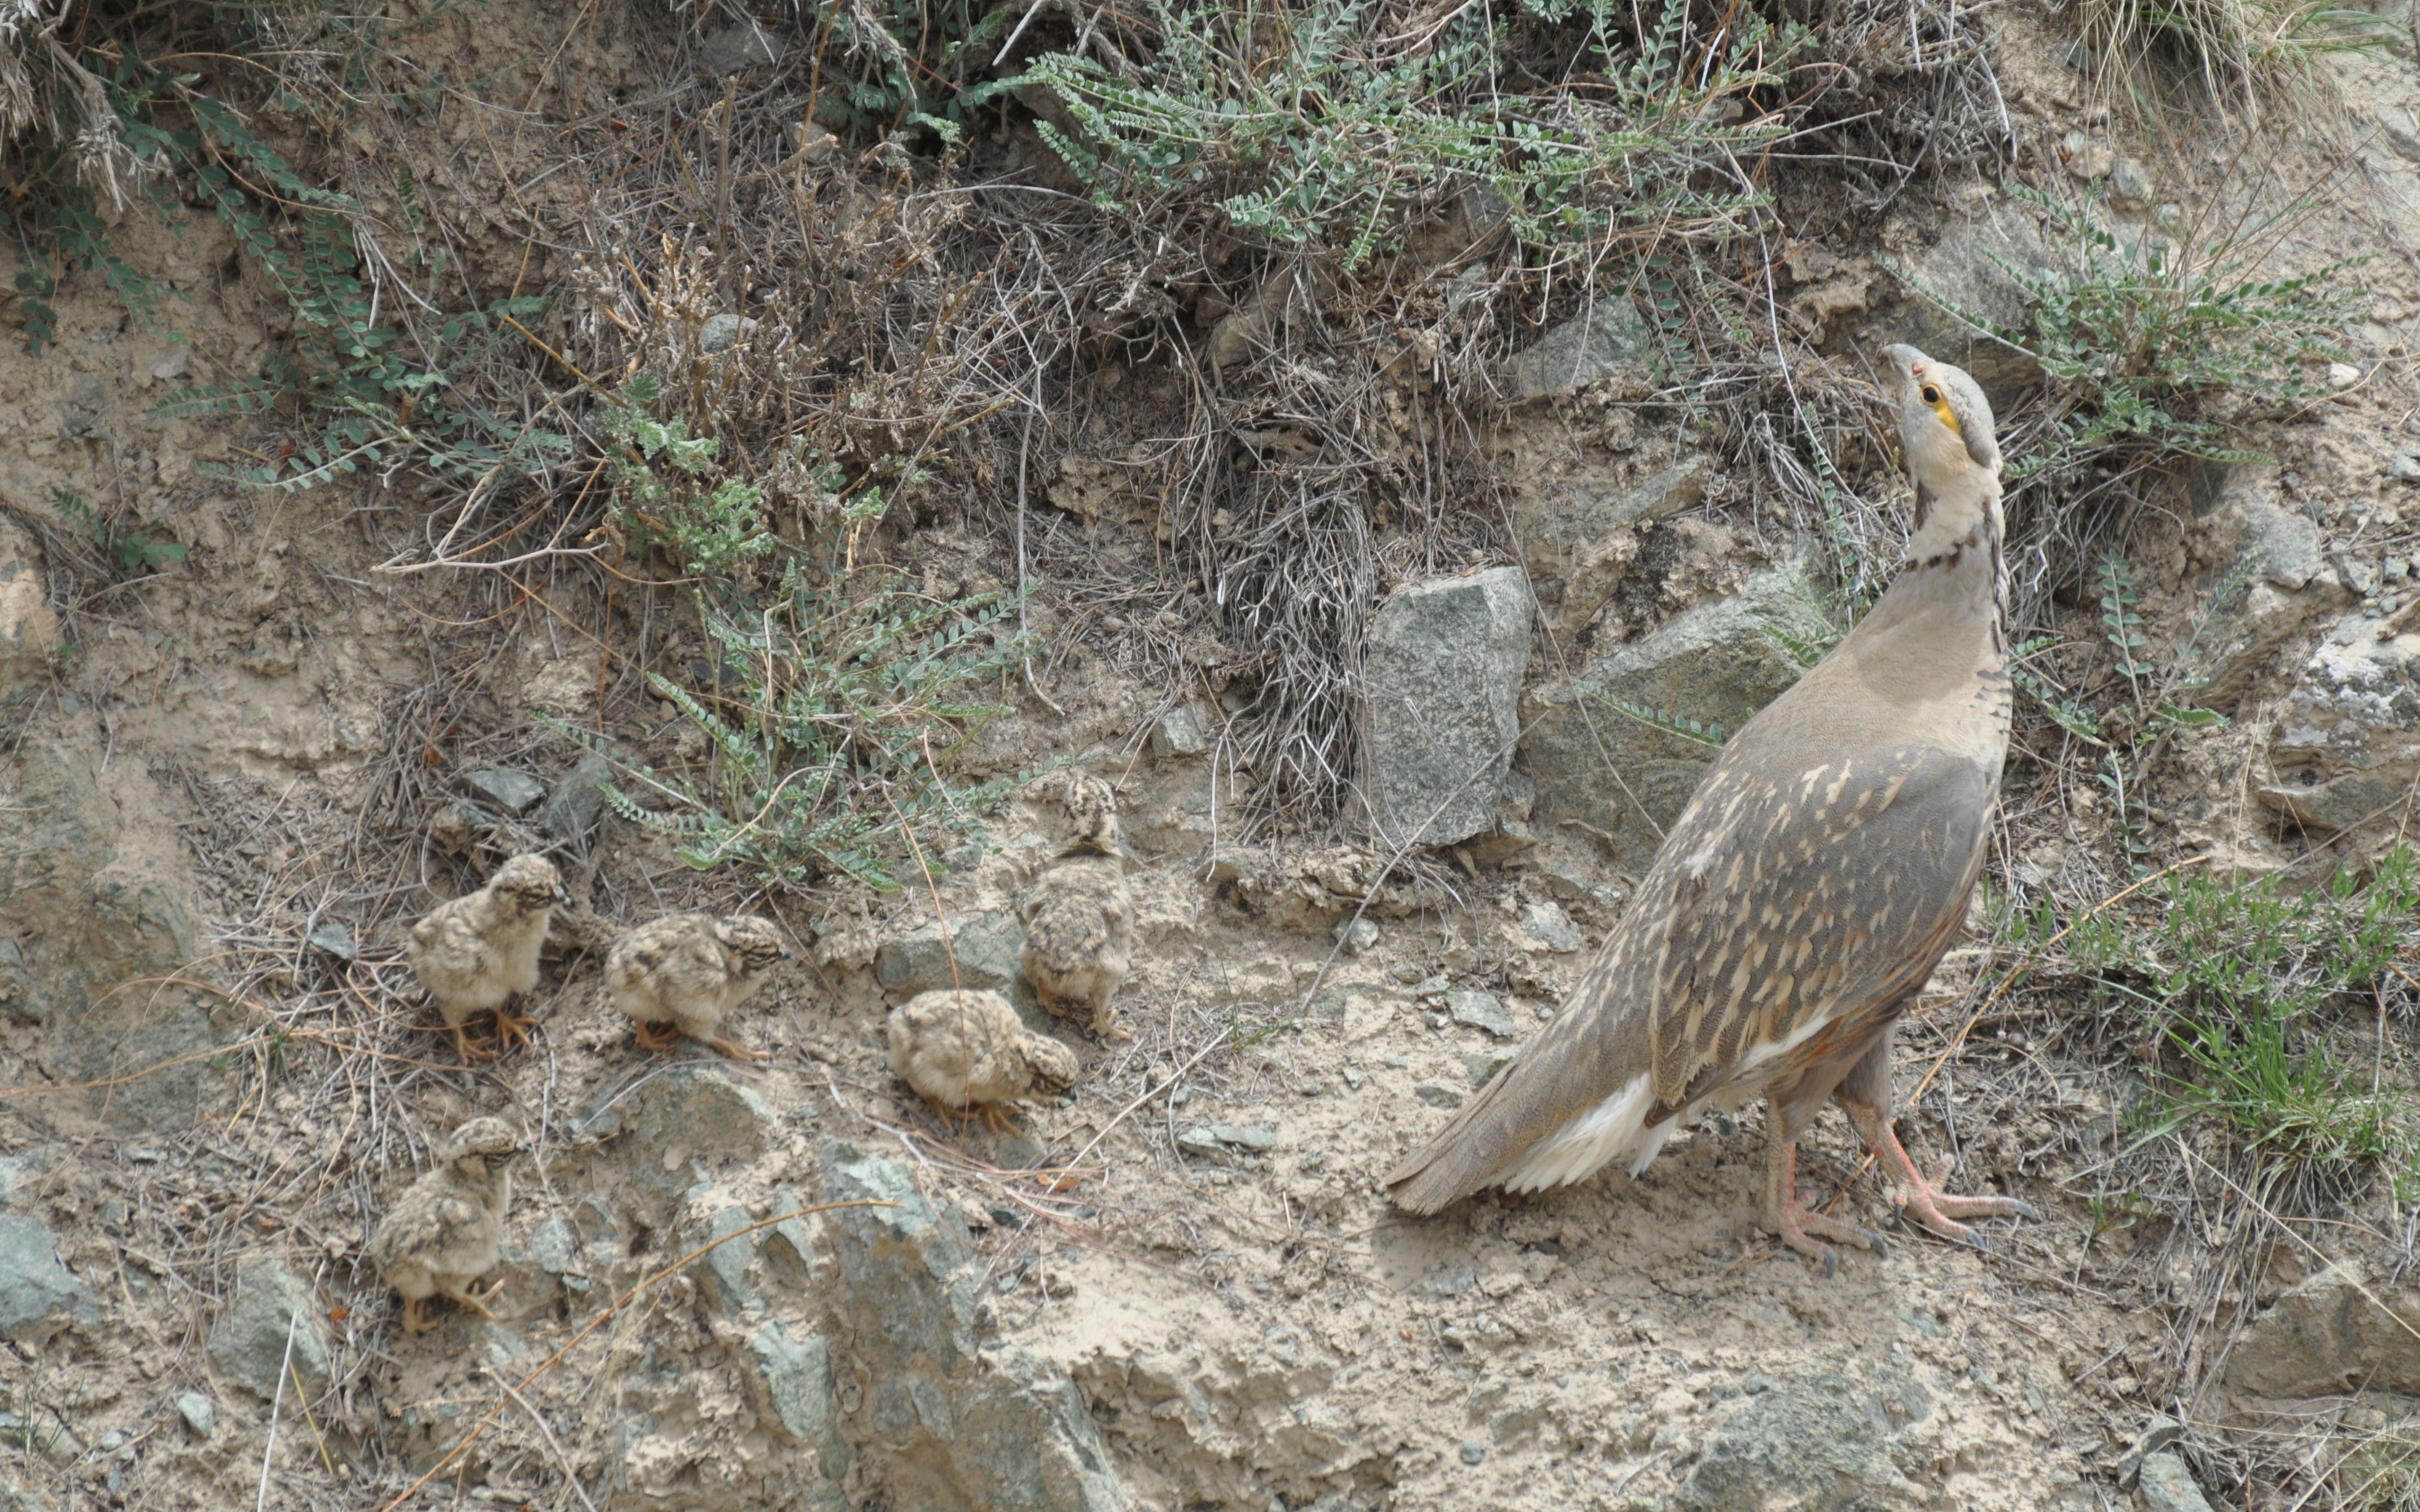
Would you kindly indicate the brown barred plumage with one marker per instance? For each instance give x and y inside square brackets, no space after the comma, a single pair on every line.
[1806,892]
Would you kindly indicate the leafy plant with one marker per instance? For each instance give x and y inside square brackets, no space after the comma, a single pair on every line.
[653,466]
[2131,732]
[1306,131]
[135,549]
[1694,730]
[911,65]
[2138,331]
[850,691]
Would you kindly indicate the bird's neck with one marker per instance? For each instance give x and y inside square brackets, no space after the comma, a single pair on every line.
[1954,569]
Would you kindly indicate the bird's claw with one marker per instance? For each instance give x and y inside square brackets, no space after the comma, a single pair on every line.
[1796,1225]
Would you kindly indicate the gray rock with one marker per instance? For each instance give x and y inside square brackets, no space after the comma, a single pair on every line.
[793,1382]
[1481,1011]
[1358,934]
[1608,341]
[726,1264]
[1713,663]
[1960,268]
[962,1430]
[1446,659]
[986,946]
[335,937]
[1213,1138]
[555,1247]
[1481,1068]
[1568,533]
[2129,185]
[2282,547]
[1437,1095]
[688,1123]
[2331,1334]
[1817,1443]
[1551,927]
[516,792]
[18,999]
[85,923]
[247,1344]
[2346,745]
[2160,1433]
[721,332]
[200,1414]
[578,802]
[728,50]
[2167,1486]
[1179,733]
[2404,467]
[38,1295]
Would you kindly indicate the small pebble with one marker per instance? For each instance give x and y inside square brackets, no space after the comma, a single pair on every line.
[1310,1088]
[1354,1078]
[200,1415]
[1472,1454]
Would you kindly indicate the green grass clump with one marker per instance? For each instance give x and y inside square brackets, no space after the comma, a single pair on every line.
[2238,52]
[2236,982]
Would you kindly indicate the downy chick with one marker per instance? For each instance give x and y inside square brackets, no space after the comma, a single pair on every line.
[688,970]
[447,1230]
[476,952]
[1079,914]
[968,1050]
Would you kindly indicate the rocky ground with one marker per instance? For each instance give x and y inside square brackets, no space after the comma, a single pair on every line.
[233,780]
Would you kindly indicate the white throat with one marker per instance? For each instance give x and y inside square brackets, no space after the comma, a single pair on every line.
[1952,519]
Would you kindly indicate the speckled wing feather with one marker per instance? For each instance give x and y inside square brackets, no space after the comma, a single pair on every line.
[1787,897]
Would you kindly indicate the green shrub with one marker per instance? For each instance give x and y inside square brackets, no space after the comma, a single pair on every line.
[370,393]
[2138,332]
[654,467]
[1301,128]
[842,699]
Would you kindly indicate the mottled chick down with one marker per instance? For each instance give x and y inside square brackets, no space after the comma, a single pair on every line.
[1079,914]
[447,1230]
[476,952]
[690,970]
[969,1049]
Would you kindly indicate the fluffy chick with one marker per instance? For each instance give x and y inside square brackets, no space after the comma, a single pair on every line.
[688,970]
[447,1230]
[477,951]
[1079,914]
[965,1050]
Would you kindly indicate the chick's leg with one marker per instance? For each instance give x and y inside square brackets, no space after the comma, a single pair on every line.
[462,1047]
[1865,1095]
[737,1051]
[512,1032]
[471,1301]
[648,1036]
[415,1316]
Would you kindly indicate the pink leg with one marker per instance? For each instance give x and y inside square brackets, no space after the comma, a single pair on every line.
[1864,1094]
[1791,1219]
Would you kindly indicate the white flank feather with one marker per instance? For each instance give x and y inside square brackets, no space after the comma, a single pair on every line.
[1615,1128]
